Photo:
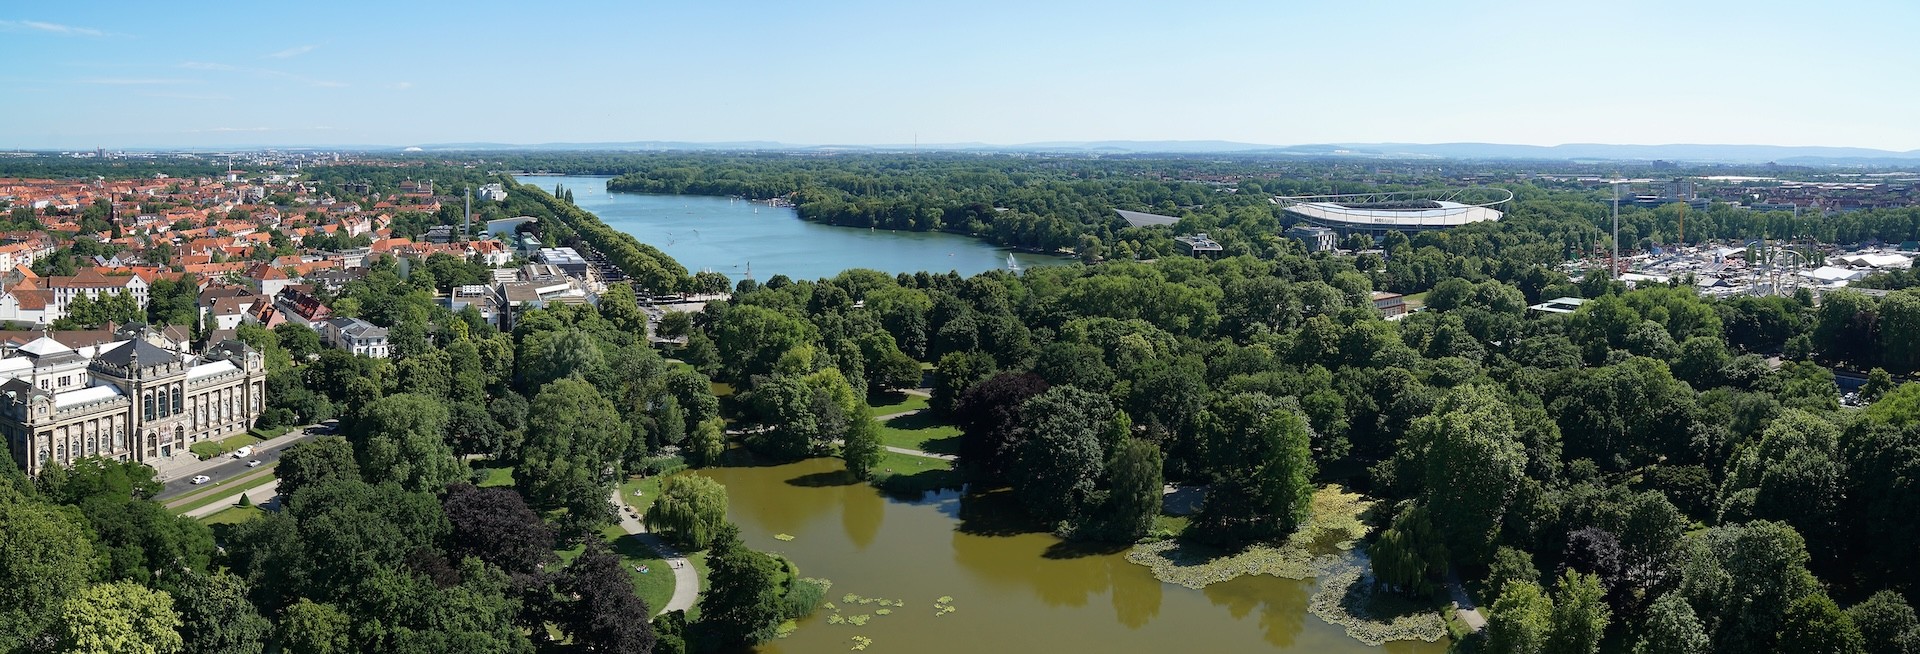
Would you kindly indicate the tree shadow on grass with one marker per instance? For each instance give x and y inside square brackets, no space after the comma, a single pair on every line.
[824,479]
[630,546]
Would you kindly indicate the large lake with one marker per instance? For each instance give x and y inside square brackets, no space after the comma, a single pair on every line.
[1011,592]
[727,236]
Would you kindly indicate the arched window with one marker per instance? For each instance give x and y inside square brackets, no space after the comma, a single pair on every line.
[147,405]
[176,399]
[162,402]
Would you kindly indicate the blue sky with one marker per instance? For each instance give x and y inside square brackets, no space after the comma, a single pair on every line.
[147,74]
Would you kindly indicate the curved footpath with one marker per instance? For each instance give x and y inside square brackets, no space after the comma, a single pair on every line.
[686,582]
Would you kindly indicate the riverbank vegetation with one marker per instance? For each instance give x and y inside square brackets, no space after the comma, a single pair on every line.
[1620,441]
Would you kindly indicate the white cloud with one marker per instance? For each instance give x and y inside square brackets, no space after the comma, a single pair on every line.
[293,51]
[400,86]
[50,28]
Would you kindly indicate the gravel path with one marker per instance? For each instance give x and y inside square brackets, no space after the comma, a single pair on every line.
[686,581]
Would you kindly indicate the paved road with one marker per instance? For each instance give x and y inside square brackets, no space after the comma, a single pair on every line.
[262,496]
[686,580]
[178,480]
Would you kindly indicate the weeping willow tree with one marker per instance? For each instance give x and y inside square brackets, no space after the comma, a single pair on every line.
[690,510]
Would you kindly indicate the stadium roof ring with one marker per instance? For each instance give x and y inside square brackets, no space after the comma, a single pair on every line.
[1399,210]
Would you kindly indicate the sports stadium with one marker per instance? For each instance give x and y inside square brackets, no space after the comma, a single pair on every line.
[1401,211]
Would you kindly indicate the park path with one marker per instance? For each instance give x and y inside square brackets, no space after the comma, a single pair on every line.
[1464,607]
[686,581]
[914,452]
[261,495]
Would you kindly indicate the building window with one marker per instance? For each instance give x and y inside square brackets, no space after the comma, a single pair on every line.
[176,401]
[147,405]
[162,403]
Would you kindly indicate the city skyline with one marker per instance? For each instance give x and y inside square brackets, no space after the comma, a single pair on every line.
[876,73]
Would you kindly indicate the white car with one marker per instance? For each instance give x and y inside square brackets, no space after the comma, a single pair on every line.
[243,452]
[254,463]
[201,479]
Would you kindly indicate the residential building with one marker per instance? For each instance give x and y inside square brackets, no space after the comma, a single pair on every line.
[127,400]
[356,336]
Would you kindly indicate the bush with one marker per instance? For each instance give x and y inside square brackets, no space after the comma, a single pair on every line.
[655,466]
[805,595]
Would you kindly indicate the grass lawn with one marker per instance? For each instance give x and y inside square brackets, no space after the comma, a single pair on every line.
[648,487]
[920,431]
[224,490]
[233,516]
[1415,300]
[270,433]
[497,476]
[655,586]
[210,449]
[886,403]
[907,474]
[1172,524]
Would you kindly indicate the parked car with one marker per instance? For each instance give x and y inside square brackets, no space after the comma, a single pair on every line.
[243,452]
[201,479]
[254,463]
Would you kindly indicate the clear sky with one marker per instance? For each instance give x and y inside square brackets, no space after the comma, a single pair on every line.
[145,74]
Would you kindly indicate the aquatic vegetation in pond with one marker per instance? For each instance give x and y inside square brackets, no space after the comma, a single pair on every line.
[1349,599]
[1321,549]
[860,643]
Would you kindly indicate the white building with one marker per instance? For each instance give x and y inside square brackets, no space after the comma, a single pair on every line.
[355,336]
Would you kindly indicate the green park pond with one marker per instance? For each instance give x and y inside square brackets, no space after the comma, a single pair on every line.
[949,574]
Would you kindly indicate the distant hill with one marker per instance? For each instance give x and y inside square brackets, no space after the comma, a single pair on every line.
[1705,153]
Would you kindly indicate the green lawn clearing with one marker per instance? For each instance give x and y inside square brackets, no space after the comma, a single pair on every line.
[210,449]
[648,489]
[498,476]
[233,516]
[909,475]
[888,403]
[920,431]
[655,585]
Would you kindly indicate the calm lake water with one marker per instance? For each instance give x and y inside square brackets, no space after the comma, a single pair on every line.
[1012,592]
[726,235]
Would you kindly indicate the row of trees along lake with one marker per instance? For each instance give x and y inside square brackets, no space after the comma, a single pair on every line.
[1634,476]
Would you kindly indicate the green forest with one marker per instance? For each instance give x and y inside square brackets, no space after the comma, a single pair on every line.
[1655,472]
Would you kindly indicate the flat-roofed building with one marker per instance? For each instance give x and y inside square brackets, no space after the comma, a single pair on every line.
[1317,239]
[1198,245]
